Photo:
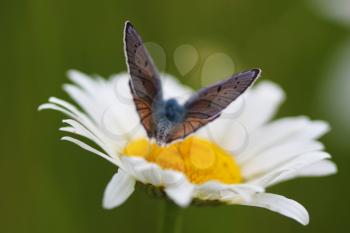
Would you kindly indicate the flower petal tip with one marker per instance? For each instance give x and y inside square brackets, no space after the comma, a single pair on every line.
[72,72]
[281,205]
[41,107]
[118,190]
[181,195]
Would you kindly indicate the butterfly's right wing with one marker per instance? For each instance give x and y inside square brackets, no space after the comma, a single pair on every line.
[207,104]
[145,83]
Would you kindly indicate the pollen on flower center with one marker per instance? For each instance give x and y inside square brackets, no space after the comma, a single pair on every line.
[200,160]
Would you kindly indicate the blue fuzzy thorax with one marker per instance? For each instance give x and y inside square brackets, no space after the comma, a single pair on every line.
[167,115]
[173,111]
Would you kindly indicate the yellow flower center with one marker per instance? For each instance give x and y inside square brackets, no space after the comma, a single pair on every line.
[200,160]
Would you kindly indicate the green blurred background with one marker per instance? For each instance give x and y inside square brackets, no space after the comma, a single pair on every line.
[51,186]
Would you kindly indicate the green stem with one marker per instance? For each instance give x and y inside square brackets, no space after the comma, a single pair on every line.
[171,216]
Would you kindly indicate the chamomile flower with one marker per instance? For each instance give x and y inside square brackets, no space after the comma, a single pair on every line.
[232,160]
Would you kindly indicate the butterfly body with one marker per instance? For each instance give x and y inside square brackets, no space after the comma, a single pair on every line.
[166,115]
[174,112]
[167,120]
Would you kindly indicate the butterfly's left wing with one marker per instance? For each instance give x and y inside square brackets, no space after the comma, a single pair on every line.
[145,83]
[207,104]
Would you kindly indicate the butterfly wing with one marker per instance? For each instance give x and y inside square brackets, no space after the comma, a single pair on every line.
[145,83]
[207,104]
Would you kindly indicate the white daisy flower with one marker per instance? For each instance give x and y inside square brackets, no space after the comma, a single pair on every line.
[232,160]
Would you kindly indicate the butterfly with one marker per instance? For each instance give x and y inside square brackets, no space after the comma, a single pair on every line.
[167,120]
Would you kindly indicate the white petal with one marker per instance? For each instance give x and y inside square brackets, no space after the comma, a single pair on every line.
[104,101]
[276,156]
[142,170]
[280,173]
[282,131]
[82,123]
[119,83]
[320,168]
[83,131]
[77,115]
[82,98]
[262,100]
[56,108]
[152,173]
[178,188]
[175,184]
[132,164]
[280,204]
[118,190]
[213,190]
[84,146]
[83,80]
[229,135]
[209,191]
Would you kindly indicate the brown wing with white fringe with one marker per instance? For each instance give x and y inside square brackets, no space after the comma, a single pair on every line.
[207,104]
[145,83]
